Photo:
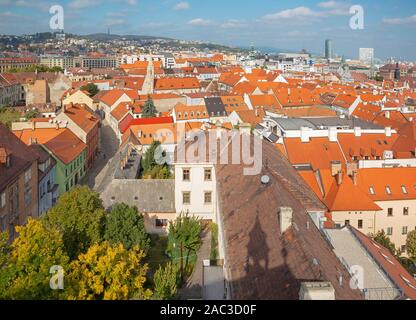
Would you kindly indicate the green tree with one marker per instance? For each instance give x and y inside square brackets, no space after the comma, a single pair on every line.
[126,226]
[108,272]
[26,274]
[31,114]
[151,168]
[411,244]
[184,240]
[166,282]
[149,109]
[382,239]
[91,88]
[80,215]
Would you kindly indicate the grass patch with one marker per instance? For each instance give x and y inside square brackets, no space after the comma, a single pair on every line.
[8,116]
[214,242]
[157,252]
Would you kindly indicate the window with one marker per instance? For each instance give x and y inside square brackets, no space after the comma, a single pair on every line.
[347,222]
[406,211]
[360,224]
[162,223]
[28,196]
[390,231]
[404,190]
[403,249]
[208,197]
[390,212]
[186,174]
[208,174]
[186,198]
[2,200]
[28,176]
[388,190]
[405,231]
[372,191]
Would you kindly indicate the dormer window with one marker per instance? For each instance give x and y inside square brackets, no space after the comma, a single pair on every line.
[404,190]
[388,190]
[372,191]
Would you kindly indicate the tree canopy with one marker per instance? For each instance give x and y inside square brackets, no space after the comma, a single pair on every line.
[80,215]
[166,282]
[382,239]
[125,225]
[26,274]
[109,273]
[184,239]
[149,109]
[411,244]
[91,88]
[152,167]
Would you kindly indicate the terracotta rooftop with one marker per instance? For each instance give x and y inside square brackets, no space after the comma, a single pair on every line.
[65,145]
[21,157]
[262,262]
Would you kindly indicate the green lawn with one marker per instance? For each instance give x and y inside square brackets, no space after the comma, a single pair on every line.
[8,116]
[156,255]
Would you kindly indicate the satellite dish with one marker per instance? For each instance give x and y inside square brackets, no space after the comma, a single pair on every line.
[265,179]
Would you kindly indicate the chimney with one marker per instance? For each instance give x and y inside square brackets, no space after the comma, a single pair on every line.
[288,91]
[355,177]
[285,218]
[304,134]
[4,158]
[336,167]
[357,131]
[139,134]
[387,114]
[257,112]
[333,134]
[351,167]
[388,132]
[33,125]
[340,177]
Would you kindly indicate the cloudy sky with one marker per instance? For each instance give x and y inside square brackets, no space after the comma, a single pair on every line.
[389,25]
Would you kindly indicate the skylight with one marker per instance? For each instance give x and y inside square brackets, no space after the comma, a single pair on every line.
[372,191]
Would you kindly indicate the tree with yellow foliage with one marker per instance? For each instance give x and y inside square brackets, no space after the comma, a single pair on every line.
[107,272]
[26,274]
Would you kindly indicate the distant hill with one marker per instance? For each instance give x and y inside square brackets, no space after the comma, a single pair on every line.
[108,37]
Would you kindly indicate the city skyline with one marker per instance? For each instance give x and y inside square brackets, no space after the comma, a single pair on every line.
[290,25]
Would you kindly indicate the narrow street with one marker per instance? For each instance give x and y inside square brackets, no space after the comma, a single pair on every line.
[109,146]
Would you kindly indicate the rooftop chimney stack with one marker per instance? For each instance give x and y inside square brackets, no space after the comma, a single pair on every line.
[357,131]
[388,132]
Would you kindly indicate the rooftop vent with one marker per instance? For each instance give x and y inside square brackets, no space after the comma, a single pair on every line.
[265,179]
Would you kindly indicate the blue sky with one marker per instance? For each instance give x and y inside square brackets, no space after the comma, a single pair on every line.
[390,25]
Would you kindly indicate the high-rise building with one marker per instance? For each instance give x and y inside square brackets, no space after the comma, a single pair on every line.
[329,53]
[367,55]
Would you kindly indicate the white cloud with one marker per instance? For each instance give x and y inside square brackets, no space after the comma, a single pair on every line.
[200,22]
[299,12]
[328,4]
[115,22]
[232,24]
[183,5]
[405,20]
[80,4]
